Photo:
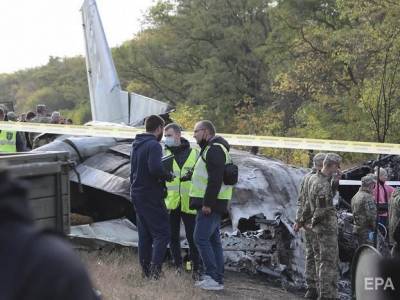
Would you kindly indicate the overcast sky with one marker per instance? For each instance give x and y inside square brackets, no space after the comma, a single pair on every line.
[33,30]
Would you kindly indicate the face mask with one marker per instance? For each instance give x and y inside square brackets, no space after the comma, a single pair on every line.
[202,143]
[169,141]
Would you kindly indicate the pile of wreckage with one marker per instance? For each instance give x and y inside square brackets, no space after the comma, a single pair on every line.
[257,235]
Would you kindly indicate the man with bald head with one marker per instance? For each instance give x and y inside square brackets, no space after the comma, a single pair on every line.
[210,196]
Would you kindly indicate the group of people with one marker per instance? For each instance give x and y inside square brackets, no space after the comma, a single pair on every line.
[316,214]
[16,141]
[180,183]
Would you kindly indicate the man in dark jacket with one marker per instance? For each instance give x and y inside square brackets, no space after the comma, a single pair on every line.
[210,196]
[34,265]
[147,192]
[177,200]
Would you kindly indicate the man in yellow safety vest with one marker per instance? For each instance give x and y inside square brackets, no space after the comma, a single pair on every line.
[210,196]
[177,200]
[8,138]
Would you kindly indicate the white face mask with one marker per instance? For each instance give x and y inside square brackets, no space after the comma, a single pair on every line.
[169,141]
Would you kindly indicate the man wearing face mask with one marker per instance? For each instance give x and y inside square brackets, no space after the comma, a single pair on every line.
[210,196]
[147,180]
[177,200]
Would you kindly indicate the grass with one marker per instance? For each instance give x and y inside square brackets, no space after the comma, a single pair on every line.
[117,275]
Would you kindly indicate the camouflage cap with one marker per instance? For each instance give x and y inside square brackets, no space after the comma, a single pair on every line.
[332,158]
[368,180]
[319,158]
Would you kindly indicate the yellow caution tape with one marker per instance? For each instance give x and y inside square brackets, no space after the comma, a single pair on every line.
[119,131]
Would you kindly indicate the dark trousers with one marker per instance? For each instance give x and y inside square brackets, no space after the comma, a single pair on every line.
[208,242]
[154,236]
[189,221]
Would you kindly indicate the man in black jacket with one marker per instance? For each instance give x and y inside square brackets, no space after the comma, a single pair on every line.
[210,196]
[177,200]
[147,180]
[34,265]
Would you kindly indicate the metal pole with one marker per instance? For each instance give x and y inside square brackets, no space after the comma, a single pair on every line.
[377,207]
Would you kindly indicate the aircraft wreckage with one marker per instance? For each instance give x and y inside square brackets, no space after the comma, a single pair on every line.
[257,234]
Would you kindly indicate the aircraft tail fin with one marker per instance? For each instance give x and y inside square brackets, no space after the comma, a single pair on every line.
[108,102]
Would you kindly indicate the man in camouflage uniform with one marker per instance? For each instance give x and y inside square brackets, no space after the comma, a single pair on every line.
[394,222]
[304,221]
[364,209]
[324,224]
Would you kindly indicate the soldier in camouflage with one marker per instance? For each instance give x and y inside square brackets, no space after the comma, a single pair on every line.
[364,209]
[324,224]
[304,221]
[394,222]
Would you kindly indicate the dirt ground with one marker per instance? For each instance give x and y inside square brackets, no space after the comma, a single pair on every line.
[117,276]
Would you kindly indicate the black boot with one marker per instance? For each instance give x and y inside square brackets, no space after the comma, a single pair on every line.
[311,293]
[155,271]
[145,271]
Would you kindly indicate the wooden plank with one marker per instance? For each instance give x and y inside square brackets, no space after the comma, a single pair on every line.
[46,208]
[50,223]
[43,186]
[65,183]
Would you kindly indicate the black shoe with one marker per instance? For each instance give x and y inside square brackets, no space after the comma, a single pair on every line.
[196,275]
[146,271]
[311,294]
[155,272]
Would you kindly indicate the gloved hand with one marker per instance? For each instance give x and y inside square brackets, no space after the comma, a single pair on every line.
[187,176]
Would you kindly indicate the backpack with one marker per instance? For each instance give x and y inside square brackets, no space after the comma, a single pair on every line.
[231,171]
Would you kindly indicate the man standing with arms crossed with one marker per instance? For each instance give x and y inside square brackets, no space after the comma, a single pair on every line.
[304,221]
[177,200]
[210,196]
[324,223]
[147,180]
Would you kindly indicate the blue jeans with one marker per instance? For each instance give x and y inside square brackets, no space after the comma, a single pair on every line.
[154,236]
[208,242]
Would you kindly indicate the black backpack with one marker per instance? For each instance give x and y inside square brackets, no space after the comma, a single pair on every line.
[231,174]
[231,171]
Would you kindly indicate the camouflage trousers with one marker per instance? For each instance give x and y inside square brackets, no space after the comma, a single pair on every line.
[362,236]
[327,240]
[312,261]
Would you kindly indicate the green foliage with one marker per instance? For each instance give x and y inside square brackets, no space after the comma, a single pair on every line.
[312,68]
[61,85]
[187,116]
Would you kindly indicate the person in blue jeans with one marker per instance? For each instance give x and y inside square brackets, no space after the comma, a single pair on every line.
[147,180]
[210,196]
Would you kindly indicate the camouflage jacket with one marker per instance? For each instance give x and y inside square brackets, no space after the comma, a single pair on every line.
[394,213]
[301,201]
[364,210]
[320,199]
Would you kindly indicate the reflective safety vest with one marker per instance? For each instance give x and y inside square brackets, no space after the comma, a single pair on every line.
[200,178]
[8,141]
[178,192]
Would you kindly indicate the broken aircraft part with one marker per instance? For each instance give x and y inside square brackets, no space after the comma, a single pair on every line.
[258,236]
